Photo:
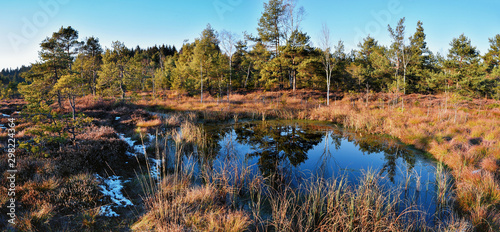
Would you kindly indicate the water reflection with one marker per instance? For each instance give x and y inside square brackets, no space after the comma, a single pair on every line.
[280,146]
[391,149]
[277,145]
[287,151]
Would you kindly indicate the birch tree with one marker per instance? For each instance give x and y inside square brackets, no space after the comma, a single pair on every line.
[327,58]
[228,42]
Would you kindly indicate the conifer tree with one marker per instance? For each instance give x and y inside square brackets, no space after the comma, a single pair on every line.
[115,73]
[89,61]
[421,62]
[401,53]
[204,57]
[492,57]
[56,58]
[463,60]
[272,33]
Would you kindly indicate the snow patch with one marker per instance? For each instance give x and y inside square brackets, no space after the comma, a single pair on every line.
[5,115]
[151,137]
[117,118]
[130,142]
[155,164]
[128,153]
[107,211]
[112,188]
[2,126]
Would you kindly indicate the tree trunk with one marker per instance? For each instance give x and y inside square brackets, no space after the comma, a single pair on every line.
[328,80]
[248,75]
[122,90]
[293,74]
[154,86]
[201,80]
[71,100]
[220,89]
[59,100]
[93,83]
[328,92]
[230,77]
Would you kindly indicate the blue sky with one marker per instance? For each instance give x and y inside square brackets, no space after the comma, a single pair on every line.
[25,23]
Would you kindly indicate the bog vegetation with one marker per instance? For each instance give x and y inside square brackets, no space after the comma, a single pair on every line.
[446,106]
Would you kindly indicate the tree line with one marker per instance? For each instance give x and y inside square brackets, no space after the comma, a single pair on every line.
[9,78]
[280,56]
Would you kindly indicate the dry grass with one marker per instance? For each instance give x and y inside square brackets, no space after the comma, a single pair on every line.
[180,205]
[465,139]
[233,198]
[464,135]
[150,123]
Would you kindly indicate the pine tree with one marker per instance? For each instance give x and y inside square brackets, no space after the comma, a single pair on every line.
[89,62]
[401,53]
[67,39]
[462,53]
[272,32]
[270,24]
[183,76]
[56,58]
[71,85]
[204,57]
[295,52]
[492,57]
[421,61]
[115,73]
[371,68]
[463,61]
[242,64]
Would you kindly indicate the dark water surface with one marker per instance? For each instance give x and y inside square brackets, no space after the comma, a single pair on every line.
[303,150]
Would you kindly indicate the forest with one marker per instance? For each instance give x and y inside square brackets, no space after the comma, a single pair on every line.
[279,57]
[126,138]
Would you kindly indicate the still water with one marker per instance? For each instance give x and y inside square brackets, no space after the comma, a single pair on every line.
[305,150]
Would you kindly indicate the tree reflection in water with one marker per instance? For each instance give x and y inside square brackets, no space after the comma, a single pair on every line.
[280,146]
[277,145]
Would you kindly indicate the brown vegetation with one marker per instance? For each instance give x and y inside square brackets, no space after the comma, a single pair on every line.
[461,133]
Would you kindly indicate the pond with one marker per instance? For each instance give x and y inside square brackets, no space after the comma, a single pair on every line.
[303,150]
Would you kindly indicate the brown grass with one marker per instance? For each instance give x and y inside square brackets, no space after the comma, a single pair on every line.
[465,139]
[179,206]
[150,123]
[464,135]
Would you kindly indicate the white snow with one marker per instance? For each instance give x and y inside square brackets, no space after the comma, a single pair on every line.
[117,118]
[155,163]
[5,115]
[151,137]
[130,142]
[129,153]
[107,211]
[112,188]
[2,126]
[112,185]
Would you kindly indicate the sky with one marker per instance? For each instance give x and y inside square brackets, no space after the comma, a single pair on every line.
[24,24]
